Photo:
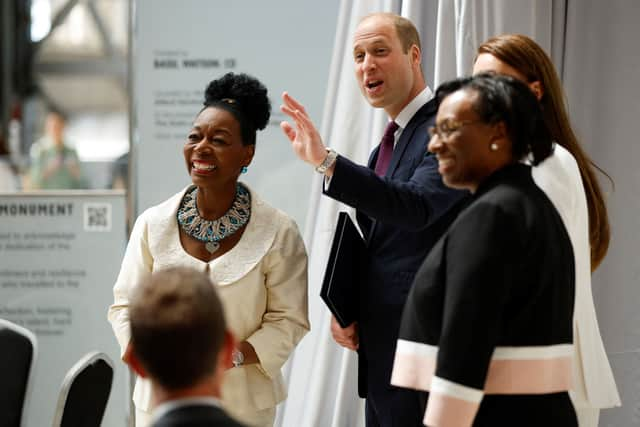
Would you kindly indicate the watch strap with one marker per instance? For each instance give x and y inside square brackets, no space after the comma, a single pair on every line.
[328,161]
[237,358]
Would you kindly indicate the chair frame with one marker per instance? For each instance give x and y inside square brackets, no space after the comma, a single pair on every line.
[4,323]
[69,378]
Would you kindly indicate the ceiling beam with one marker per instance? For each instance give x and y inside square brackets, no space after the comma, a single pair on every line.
[102,30]
[56,21]
[84,67]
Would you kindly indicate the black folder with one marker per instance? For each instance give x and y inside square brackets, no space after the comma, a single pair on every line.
[341,284]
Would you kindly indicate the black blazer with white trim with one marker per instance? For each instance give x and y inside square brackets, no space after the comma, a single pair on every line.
[490,310]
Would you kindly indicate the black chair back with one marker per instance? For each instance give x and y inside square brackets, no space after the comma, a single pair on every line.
[18,348]
[85,392]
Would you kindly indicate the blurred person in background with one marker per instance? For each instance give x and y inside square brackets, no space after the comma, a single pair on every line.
[119,173]
[8,171]
[54,164]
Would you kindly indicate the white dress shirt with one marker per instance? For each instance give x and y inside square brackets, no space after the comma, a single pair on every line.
[168,406]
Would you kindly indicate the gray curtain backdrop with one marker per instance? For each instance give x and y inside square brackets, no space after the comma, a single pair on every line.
[600,73]
[594,45]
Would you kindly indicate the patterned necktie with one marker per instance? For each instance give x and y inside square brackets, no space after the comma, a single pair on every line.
[386,149]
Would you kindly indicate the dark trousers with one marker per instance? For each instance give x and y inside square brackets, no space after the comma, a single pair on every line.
[541,410]
[548,410]
[393,407]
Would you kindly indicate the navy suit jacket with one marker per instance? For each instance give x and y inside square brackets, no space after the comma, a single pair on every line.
[196,416]
[401,215]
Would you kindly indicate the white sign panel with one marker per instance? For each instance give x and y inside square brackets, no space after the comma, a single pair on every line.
[179,47]
[60,254]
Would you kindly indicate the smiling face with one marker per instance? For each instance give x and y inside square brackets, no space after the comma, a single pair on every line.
[387,77]
[214,152]
[465,157]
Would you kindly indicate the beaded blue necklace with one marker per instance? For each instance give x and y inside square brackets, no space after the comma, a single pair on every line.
[212,232]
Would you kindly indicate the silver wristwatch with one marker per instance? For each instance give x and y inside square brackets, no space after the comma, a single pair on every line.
[237,358]
[328,161]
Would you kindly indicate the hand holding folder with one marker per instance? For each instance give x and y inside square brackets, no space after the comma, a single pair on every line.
[341,284]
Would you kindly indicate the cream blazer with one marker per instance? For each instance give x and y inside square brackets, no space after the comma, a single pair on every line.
[594,386]
[262,282]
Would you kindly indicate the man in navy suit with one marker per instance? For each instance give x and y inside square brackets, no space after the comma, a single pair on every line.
[180,342]
[402,206]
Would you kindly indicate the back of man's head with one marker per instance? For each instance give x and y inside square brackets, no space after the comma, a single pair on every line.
[177,327]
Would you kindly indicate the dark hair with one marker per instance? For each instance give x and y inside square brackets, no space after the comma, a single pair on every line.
[177,326]
[506,99]
[244,97]
[529,59]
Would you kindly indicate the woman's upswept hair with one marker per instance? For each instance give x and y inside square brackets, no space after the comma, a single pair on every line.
[244,97]
[529,59]
[510,101]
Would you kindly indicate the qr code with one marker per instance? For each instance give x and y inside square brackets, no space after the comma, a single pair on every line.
[97,217]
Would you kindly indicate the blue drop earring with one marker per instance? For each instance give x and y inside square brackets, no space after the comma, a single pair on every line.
[244,169]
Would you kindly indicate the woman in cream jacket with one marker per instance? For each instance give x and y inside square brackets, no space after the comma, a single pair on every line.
[256,257]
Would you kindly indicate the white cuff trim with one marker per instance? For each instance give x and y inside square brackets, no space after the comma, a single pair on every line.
[417,349]
[533,353]
[459,391]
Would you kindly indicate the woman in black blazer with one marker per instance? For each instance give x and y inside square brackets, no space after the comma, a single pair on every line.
[487,328]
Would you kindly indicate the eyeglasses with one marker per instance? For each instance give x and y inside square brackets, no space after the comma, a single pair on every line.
[445,128]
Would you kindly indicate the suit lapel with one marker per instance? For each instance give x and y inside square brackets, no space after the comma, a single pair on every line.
[401,147]
[407,135]
[373,158]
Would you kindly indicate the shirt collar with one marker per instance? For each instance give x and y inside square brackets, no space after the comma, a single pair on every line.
[168,406]
[412,107]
